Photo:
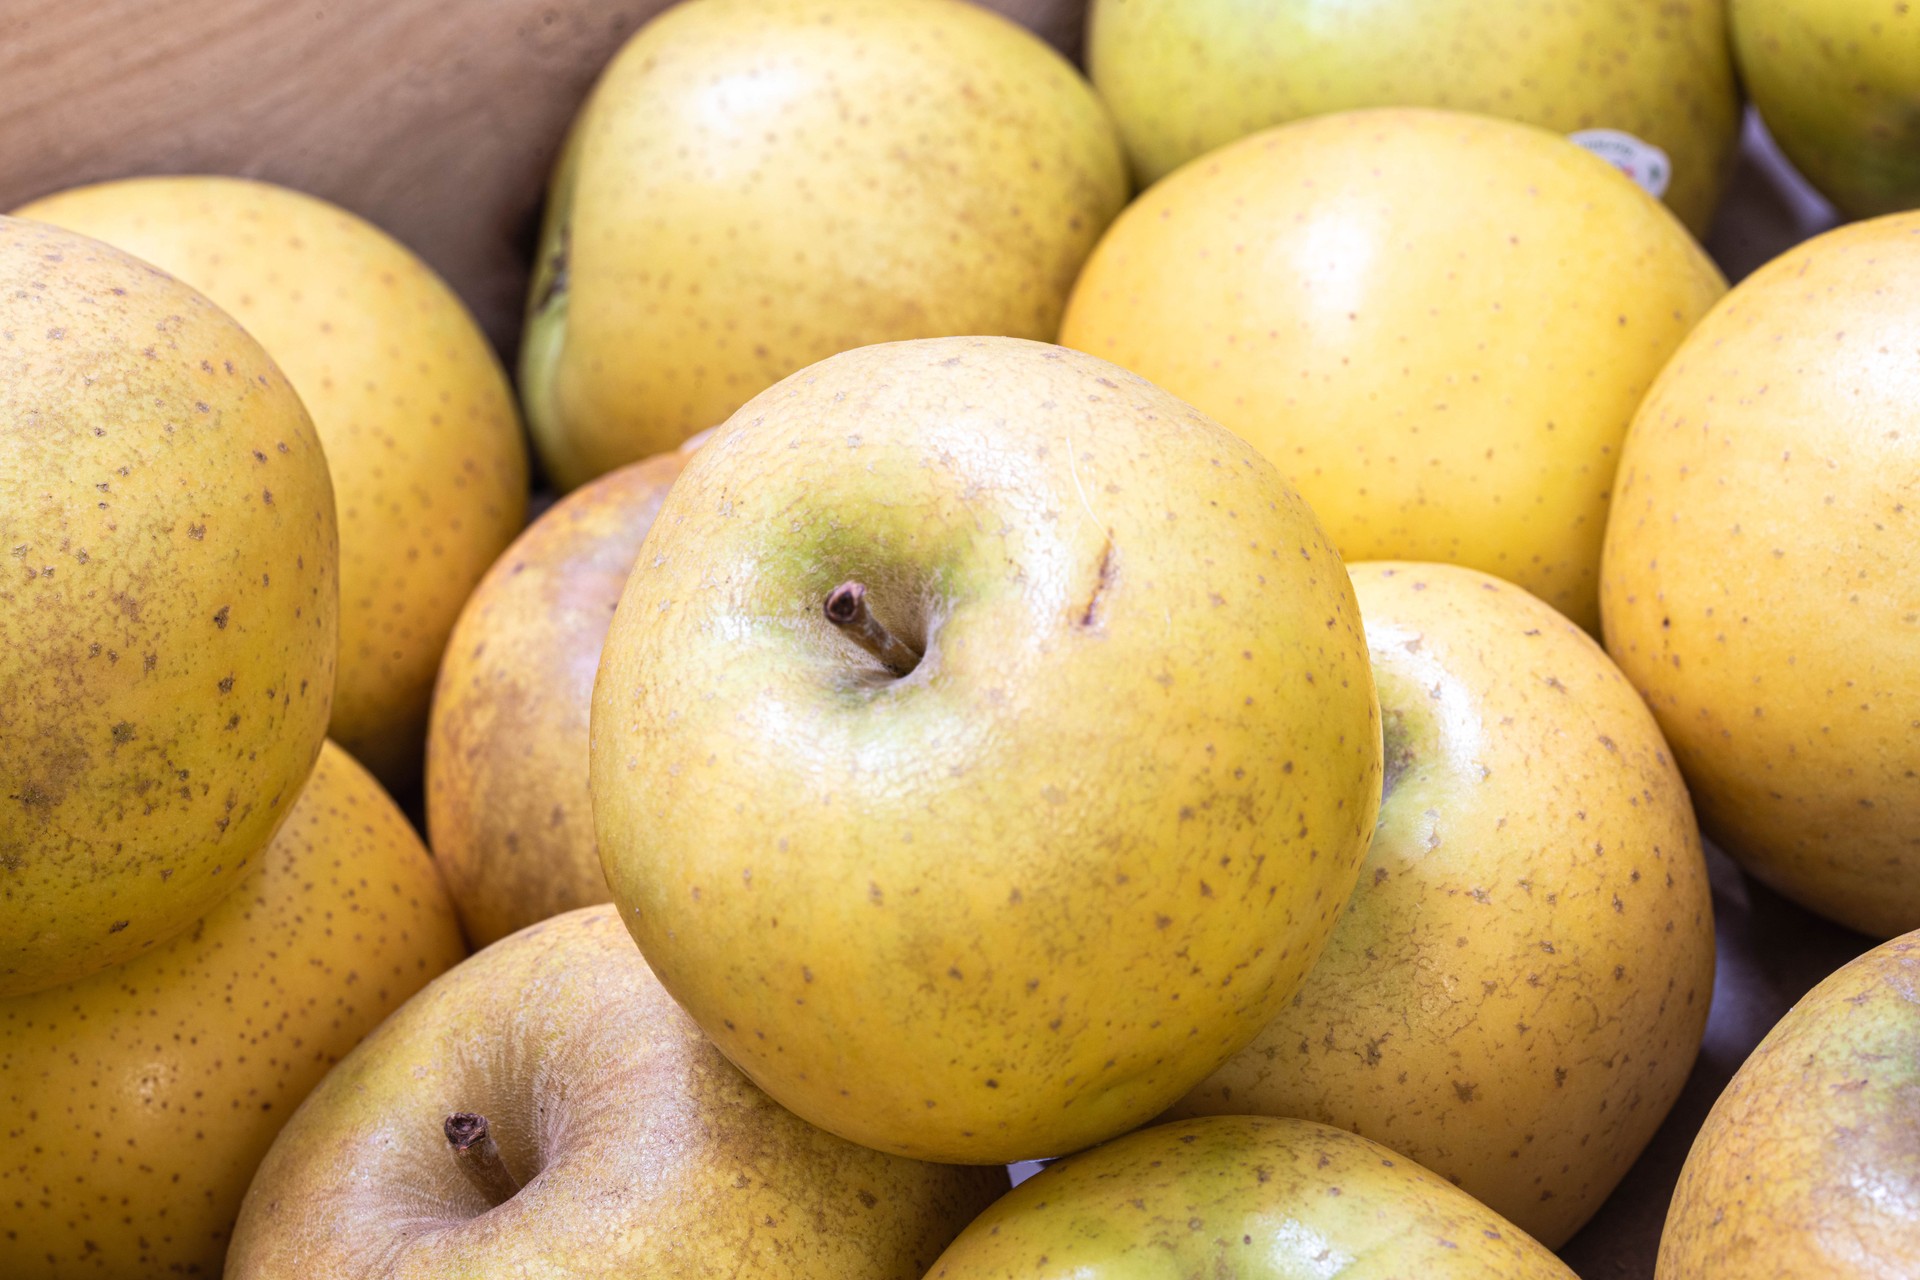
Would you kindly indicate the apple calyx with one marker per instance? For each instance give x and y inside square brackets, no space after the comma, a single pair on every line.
[479,1156]
[1397,750]
[846,608]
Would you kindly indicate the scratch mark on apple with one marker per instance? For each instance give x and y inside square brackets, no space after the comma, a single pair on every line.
[1090,616]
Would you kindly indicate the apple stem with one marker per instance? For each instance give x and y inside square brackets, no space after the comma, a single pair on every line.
[478,1154]
[847,609]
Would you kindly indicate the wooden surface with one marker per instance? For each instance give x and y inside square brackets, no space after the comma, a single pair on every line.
[439,120]
[436,119]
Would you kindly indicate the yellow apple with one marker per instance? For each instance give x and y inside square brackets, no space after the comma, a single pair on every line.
[1246,1198]
[1762,574]
[757,184]
[1809,1164]
[1518,988]
[136,1103]
[1020,879]
[507,803]
[1838,83]
[168,605]
[625,1145]
[418,421]
[1437,325]
[1185,76]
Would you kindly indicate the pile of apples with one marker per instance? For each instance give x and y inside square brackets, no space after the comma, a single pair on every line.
[1071,630]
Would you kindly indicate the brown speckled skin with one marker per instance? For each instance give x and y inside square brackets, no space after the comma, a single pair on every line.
[1023,898]
[640,1150]
[1242,1198]
[136,1103]
[1519,986]
[168,604]
[1762,572]
[420,427]
[1186,76]
[758,184]
[507,805]
[1809,1165]
[1437,325]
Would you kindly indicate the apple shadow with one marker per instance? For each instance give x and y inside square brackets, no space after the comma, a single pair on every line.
[1768,207]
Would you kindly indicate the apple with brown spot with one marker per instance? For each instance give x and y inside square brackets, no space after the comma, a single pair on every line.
[136,1103]
[169,604]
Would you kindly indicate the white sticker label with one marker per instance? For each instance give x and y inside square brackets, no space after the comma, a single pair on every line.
[1645,163]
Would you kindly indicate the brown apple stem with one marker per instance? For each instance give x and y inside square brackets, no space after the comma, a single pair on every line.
[478,1154]
[847,610]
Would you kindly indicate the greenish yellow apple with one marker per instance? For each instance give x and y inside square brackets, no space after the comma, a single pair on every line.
[136,1103]
[1437,325]
[1762,572]
[419,424]
[168,605]
[623,1144]
[1838,84]
[984,746]
[1809,1163]
[1246,1198]
[1518,988]
[1183,77]
[507,804]
[755,185]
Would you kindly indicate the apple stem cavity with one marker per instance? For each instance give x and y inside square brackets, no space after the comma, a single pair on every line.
[479,1155]
[846,609]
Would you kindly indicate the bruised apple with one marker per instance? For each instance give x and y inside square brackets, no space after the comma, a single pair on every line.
[169,605]
[420,427]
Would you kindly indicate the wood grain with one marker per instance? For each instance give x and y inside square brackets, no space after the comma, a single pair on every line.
[435,119]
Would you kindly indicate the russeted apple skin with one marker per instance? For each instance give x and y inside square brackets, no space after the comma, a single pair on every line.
[1183,77]
[507,804]
[639,1149]
[755,185]
[1809,1163]
[169,605]
[1838,83]
[421,431]
[1024,897]
[1761,584]
[1247,1197]
[1437,325]
[136,1103]
[1518,988]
